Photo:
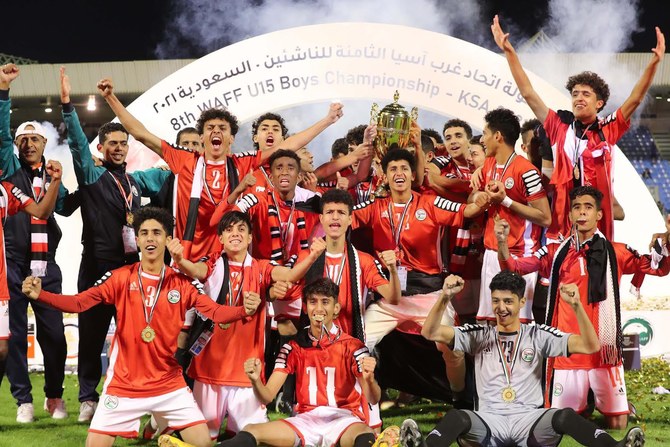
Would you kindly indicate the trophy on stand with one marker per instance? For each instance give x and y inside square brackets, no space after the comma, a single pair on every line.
[393,124]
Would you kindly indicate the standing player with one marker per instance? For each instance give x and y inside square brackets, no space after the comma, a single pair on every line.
[508,364]
[515,188]
[13,200]
[450,174]
[409,224]
[228,275]
[333,370]
[581,142]
[595,265]
[151,300]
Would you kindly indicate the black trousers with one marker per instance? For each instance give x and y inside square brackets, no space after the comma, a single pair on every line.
[50,334]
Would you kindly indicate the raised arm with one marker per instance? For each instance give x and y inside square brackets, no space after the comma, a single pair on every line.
[132,124]
[32,288]
[328,169]
[300,269]
[304,137]
[433,329]
[526,89]
[392,291]
[46,206]
[586,342]
[9,163]
[196,270]
[371,389]
[537,211]
[640,90]
[264,392]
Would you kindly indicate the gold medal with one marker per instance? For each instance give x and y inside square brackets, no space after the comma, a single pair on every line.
[576,172]
[148,334]
[224,326]
[129,218]
[508,394]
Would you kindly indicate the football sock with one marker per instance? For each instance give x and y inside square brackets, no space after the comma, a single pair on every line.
[451,426]
[241,439]
[364,440]
[568,422]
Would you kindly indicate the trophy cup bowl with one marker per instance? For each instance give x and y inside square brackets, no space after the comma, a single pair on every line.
[393,125]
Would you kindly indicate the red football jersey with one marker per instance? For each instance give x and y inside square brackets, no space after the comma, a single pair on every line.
[326,371]
[12,200]
[593,158]
[215,189]
[573,270]
[523,184]
[420,231]
[138,368]
[244,338]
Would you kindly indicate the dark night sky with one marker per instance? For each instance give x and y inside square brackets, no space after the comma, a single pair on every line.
[94,31]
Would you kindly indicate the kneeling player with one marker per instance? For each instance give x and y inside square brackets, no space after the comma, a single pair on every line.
[331,368]
[508,362]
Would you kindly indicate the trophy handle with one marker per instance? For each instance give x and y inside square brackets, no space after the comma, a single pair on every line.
[374,113]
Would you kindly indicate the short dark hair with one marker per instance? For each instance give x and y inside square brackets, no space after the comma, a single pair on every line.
[355,135]
[321,286]
[339,146]
[231,218]
[427,144]
[587,191]
[186,130]
[432,133]
[281,153]
[337,196]
[477,139]
[458,123]
[504,121]
[594,81]
[216,113]
[530,124]
[108,128]
[397,155]
[510,281]
[268,116]
[152,212]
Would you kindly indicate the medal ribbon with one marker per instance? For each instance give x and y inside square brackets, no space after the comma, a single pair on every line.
[209,193]
[397,231]
[148,318]
[508,367]
[232,302]
[492,173]
[339,274]
[127,199]
[283,232]
[577,156]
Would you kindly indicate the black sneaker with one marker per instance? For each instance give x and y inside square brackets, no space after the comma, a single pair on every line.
[283,406]
[410,435]
[634,438]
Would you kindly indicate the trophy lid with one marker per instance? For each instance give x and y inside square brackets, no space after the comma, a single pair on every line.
[395,108]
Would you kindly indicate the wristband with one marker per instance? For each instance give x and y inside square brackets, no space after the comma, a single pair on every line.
[507,202]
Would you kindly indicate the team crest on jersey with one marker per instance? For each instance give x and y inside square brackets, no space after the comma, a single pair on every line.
[558,389]
[174,296]
[134,190]
[527,355]
[420,214]
[111,402]
[509,183]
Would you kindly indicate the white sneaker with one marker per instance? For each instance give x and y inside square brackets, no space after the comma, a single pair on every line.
[86,410]
[25,413]
[55,407]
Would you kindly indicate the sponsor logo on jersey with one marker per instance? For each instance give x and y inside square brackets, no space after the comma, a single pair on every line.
[509,183]
[527,355]
[174,296]
[111,402]
[420,214]
[558,389]
[134,287]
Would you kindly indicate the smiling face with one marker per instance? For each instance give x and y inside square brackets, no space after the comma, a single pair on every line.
[399,175]
[306,160]
[321,310]
[477,155]
[585,103]
[335,219]
[506,307]
[235,238]
[216,138]
[31,147]
[151,239]
[268,135]
[115,147]
[585,214]
[456,142]
[284,174]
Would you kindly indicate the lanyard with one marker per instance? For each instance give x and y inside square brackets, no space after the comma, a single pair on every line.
[283,232]
[209,193]
[267,177]
[577,156]
[492,175]
[339,275]
[508,367]
[148,318]
[128,199]
[396,231]
[234,302]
